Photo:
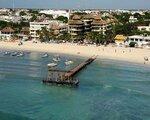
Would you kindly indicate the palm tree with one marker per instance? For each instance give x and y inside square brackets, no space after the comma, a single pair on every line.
[14,37]
[95,37]
[44,35]
[64,36]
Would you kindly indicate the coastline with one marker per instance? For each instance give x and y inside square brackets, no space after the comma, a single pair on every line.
[133,55]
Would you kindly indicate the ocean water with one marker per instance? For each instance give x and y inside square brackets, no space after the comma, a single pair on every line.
[108,90]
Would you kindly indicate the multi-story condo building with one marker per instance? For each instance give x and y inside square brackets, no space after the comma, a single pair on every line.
[50,24]
[87,20]
[99,25]
[36,26]
[76,27]
[87,23]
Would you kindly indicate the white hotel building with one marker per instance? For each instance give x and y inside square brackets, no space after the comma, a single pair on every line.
[140,40]
[36,26]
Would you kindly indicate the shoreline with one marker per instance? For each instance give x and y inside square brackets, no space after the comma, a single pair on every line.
[133,55]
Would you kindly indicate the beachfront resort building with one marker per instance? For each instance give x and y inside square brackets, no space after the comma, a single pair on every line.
[6,33]
[37,26]
[76,27]
[56,26]
[87,20]
[80,25]
[99,25]
[139,40]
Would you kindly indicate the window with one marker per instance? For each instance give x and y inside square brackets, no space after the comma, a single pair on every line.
[132,39]
[143,29]
[147,40]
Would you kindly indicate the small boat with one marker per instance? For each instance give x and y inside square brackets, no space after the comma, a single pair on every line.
[7,53]
[68,62]
[45,55]
[14,54]
[52,64]
[20,54]
[56,59]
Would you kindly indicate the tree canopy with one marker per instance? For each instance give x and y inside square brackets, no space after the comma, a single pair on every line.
[63,19]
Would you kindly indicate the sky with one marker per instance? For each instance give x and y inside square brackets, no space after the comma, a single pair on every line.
[77,4]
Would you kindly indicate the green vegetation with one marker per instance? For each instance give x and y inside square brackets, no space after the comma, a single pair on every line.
[22,13]
[33,11]
[80,13]
[16,26]
[132,44]
[34,17]
[44,35]
[96,37]
[64,36]
[63,19]
[123,18]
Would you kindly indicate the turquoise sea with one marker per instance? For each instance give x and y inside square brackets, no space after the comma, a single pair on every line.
[108,90]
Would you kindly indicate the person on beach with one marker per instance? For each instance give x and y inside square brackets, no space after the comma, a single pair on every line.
[145,59]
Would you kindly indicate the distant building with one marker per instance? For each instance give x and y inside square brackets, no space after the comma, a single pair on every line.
[144,28]
[56,13]
[6,33]
[132,19]
[4,11]
[10,18]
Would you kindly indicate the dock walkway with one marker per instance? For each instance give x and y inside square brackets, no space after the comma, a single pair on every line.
[75,70]
[67,78]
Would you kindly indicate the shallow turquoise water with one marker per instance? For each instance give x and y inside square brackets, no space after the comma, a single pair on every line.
[108,90]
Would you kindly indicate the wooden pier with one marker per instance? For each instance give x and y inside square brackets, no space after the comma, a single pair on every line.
[66,77]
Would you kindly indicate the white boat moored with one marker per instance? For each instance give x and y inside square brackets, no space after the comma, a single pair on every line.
[7,53]
[20,54]
[14,54]
[68,62]
[45,55]
[56,59]
[52,64]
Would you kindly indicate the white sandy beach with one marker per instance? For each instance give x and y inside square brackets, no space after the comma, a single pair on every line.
[135,55]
